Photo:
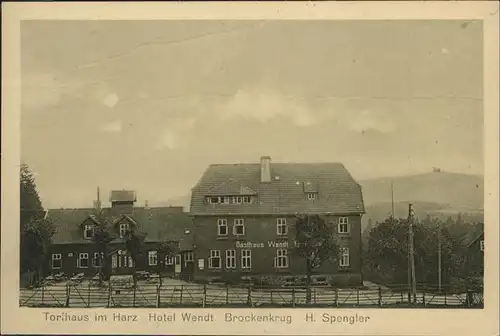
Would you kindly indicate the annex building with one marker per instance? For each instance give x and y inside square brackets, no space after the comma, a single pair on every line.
[73,250]
[244,217]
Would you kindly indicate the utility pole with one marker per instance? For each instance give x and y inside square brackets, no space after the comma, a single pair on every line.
[439,257]
[392,200]
[411,253]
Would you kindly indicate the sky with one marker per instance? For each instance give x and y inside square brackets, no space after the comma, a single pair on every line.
[148,105]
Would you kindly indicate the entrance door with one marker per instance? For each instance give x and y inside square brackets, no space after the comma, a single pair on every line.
[177,269]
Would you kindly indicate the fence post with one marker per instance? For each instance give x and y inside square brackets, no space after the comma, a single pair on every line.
[249,299]
[158,296]
[293,297]
[88,296]
[133,304]
[423,296]
[204,302]
[68,295]
[336,297]
[182,290]
[43,292]
[357,296]
[379,296]
[271,291]
[110,289]
[445,299]
[227,293]
[314,289]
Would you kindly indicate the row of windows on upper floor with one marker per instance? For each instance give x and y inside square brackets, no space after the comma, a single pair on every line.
[343,226]
[311,196]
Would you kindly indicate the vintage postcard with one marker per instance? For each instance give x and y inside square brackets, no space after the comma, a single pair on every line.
[250,168]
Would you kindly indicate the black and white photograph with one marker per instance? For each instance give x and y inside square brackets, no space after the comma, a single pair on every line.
[251,164]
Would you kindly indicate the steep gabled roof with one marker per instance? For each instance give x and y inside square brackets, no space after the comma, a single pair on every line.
[158,223]
[338,192]
[230,187]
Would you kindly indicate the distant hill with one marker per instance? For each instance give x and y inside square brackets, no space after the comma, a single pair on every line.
[464,191]
[440,194]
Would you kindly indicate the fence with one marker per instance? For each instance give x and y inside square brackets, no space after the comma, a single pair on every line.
[193,295]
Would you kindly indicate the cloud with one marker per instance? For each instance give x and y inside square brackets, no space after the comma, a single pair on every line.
[176,132]
[42,90]
[368,120]
[113,126]
[265,105]
[111,100]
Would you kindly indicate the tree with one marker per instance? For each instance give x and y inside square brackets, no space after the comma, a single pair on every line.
[315,242]
[102,237]
[31,206]
[166,249]
[133,245]
[35,231]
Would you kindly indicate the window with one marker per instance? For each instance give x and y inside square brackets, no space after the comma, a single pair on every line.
[56,261]
[218,200]
[96,261]
[230,259]
[152,258]
[281,228]
[481,245]
[124,227]
[83,260]
[88,232]
[239,227]
[169,259]
[213,200]
[281,259]
[344,257]
[114,261]
[237,200]
[343,225]
[245,199]
[311,196]
[214,260]
[246,259]
[189,256]
[222,227]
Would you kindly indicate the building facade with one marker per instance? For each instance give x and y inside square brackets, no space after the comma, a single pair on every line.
[74,251]
[244,221]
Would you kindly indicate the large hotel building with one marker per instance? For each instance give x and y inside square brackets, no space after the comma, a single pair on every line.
[244,216]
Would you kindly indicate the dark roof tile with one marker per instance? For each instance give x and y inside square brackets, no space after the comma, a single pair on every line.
[158,223]
[338,192]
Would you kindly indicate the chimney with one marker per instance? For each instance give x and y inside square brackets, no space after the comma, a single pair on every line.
[265,169]
[97,202]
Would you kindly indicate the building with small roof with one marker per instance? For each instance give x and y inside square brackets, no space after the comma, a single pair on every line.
[74,250]
[244,219]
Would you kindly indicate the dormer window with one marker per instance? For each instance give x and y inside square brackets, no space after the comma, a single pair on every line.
[124,227]
[311,196]
[88,231]
[241,199]
[218,200]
